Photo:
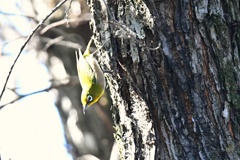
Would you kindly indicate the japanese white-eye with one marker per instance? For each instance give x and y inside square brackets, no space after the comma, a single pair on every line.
[90,76]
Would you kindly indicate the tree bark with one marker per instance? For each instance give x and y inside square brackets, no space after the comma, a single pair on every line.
[180,101]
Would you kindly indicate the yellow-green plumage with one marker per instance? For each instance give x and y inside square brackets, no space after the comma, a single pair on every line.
[91,78]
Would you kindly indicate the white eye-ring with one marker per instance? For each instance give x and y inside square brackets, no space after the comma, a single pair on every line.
[89,98]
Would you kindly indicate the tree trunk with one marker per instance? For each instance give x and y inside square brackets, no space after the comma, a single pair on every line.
[180,101]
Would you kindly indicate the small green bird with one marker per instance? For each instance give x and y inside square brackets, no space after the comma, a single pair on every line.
[90,76]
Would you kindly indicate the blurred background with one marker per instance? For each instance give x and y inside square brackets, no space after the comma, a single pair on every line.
[41,115]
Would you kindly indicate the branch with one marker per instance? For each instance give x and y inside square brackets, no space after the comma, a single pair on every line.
[25,95]
[3,45]
[27,40]
[86,17]
[72,81]
[60,42]
[67,14]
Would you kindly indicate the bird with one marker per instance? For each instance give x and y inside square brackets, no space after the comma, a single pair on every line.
[91,77]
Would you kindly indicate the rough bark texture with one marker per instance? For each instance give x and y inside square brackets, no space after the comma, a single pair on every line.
[182,100]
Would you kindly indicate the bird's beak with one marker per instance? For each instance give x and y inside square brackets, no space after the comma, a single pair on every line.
[85,108]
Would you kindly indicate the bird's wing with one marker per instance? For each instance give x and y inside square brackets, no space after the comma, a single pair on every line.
[98,73]
[85,72]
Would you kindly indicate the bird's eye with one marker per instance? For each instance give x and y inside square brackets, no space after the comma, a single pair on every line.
[89,98]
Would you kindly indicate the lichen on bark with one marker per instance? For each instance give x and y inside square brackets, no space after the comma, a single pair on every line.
[176,101]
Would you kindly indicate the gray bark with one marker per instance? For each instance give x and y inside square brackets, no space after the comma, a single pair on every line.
[182,100]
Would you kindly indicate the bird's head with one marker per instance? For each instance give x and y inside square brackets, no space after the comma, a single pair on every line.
[91,95]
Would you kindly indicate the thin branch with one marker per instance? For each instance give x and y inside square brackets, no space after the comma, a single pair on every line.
[72,82]
[27,40]
[52,41]
[84,18]
[3,45]
[98,49]
[67,13]
[25,95]
[58,41]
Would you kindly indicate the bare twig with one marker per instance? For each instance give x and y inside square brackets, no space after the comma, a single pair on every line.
[84,18]
[27,40]
[67,13]
[99,48]
[25,95]
[71,82]
[3,45]
[52,41]
[58,41]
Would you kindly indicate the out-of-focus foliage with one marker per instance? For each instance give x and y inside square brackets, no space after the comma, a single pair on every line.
[48,65]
